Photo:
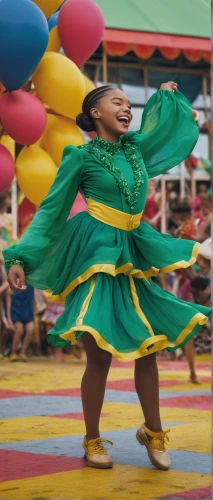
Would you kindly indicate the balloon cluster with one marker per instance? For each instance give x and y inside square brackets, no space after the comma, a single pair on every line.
[43,45]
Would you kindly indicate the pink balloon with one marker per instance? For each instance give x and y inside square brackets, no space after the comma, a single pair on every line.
[23,116]
[7,168]
[79,205]
[81,27]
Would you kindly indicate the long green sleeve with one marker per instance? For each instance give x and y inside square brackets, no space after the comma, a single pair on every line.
[168,131]
[52,215]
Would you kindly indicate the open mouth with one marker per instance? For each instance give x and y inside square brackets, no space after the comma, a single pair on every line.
[124,119]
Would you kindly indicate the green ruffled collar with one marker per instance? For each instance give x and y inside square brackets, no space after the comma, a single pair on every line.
[110,147]
[105,152]
[115,147]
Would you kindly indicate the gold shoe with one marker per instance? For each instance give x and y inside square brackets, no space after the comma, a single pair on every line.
[157,452]
[13,357]
[22,358]
[95,453]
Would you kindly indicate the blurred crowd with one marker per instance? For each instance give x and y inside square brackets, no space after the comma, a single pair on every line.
[188,218]
[26,318]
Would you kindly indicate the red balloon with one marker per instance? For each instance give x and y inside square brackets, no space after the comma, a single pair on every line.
[92,135]
[7,168]
[81,27]
[23,116]
[79,205]
[26,210]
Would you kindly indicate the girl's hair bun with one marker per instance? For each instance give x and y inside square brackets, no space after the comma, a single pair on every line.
[85,122]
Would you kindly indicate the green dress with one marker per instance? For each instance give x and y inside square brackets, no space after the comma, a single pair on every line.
[102,273]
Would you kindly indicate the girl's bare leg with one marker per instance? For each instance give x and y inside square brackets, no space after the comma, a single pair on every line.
[17,337]
[190,355]
[93,384]
[147,388]
[27,338]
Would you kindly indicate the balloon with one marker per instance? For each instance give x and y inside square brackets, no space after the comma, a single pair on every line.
[53,21]
[2,89]
[81,28]
[35,172]
[48,6]
[7,168]
[89,85]
[25,211]
[23,116]
[91,135]
[54,43]
[59,133]
[40,143]
[60,84]
[9,144]
[79,205]
[23,41]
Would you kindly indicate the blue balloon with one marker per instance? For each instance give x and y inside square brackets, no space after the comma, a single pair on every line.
[23,41]
[53,21]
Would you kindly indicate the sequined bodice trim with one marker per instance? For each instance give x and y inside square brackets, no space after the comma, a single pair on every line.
[105,152]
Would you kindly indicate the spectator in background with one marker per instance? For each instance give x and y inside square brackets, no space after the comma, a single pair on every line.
[6,324]
[180,215]
[40,305]
[48,312]
[172,194]
[201,293]
[204,228]
[152,211]
[5,219]
[22,312]
[201,283]
[201,196]
[49,317]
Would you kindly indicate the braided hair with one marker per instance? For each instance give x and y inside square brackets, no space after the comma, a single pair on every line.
[84,119]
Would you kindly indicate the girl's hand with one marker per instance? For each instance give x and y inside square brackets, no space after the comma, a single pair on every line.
[172,86]
[16,278]
[5,322]
[10,324]
[195,114]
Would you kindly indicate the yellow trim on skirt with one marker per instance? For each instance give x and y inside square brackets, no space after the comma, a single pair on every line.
[182,263]
[126,269]
[157,342]
[126,222]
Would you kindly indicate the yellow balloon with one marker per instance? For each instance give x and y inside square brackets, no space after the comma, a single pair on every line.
[59,133]
[40,143]
[60,84]
[48,6]
[9,144]
[54,43]
[35,173]
[89,85]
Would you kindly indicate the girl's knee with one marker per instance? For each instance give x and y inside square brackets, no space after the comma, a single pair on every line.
[148,360]
[101,360]
[105,358]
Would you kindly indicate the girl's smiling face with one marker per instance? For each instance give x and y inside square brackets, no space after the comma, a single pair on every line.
[113,113]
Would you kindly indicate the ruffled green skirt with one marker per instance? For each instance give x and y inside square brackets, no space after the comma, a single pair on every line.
[104,275]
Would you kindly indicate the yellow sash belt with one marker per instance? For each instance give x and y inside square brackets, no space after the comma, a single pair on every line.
[113,217]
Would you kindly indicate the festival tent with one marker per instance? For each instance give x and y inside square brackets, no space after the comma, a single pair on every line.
[156,37]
